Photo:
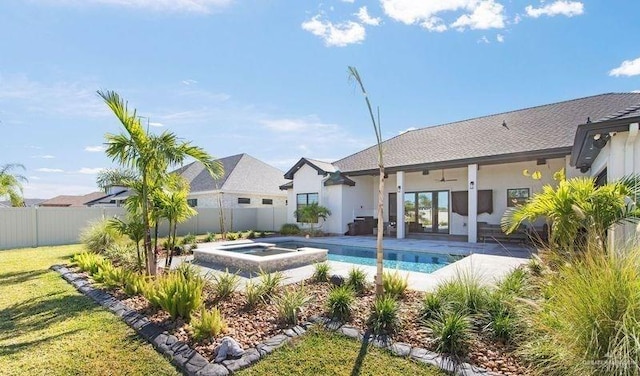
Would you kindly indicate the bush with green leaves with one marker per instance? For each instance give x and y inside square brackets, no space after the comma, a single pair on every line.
[108,275]
[290,303]
[515,283]
[224,284]
[340,302]
[88,262]
[271,282]
[432,306]
[357,280]
[289,229]
[210,237]
[209,324]
[177,295]
[452,332]
[189,239]
[394,284]
[251,234]
[189,271]
[321,271]
[232,236]
[98,236]
[465,292]
[253,293]
[133,283]
[589,321]
[385,315]
[123,255]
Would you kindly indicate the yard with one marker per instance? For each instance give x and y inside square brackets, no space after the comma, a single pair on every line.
[48,327]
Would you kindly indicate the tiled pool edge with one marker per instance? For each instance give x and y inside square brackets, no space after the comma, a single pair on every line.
[192,363]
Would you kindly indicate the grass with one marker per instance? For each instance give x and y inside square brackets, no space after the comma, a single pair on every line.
[48,327]
[320,352]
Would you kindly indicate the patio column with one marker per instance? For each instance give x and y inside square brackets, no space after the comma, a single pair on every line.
[472,219]
[400,205]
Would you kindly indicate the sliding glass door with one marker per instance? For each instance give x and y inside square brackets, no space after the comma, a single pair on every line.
[427,211]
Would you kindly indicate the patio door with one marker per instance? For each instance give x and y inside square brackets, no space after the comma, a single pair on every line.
[427,211]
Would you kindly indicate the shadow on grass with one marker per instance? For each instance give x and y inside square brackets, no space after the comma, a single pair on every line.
[364,347]
[13,278]
[41,312]
[27,345]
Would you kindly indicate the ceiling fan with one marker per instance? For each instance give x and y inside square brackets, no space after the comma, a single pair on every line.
[442,180]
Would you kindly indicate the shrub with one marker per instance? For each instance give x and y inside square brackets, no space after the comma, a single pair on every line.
[357,280]
[209,324]
[290,303]
[289,229]
[232,236]
[98,236]
[253,293]
[590,322]
[224,284]
[189,271]
[124,255]
[251,234]
[452,332]
[134,283]
[88,262]
[515,283]
[535,266]
[432,306]
[321,272]
[261,234]
[464,292]
[109,275]
[384,316]
[340,302]
[189,239]
[176,294]
[394,284]
[210,237]
[270,282]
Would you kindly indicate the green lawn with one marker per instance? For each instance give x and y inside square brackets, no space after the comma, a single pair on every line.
[320,352]
[47,328]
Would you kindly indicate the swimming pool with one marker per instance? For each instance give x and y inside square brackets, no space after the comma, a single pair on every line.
[414,261]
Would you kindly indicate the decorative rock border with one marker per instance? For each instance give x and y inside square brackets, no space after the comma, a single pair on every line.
[191,363]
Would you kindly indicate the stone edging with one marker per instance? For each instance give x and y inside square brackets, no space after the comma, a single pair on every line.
[191,363]
[402,349]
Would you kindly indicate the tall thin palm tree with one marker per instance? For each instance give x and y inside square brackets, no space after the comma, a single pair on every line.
[150,156]
[11,183]
[353,74]
[174,208]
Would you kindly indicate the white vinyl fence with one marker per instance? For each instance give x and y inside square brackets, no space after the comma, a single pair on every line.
[34,227]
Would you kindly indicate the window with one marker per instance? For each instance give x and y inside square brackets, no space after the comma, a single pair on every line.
[267,201]
[244,200]
[304,199]
[517,196]
[193,202]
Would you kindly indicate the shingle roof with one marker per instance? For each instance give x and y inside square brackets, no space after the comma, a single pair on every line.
[72,201]
[548,127]
[242,173]
[323,168]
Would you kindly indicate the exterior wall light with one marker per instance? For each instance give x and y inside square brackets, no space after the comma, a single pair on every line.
[472,185]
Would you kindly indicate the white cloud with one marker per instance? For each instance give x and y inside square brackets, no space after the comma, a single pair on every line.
[296,124]
[478,14]
[500,38]
[560,7]
[365,18]
[189,82]
[627,68]
[486,15]
[635,91]
[156,124]
[407,130]
[339,35]
[43,156]
[348,1]
[49,170]
[484,40]
[180,6]
[95,149]
[89,171]
[34,178]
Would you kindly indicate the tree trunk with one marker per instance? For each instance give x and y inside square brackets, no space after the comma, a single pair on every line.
[151,259]
[139,255]
[379,249]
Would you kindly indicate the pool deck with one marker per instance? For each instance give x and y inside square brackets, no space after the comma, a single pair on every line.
[490,261]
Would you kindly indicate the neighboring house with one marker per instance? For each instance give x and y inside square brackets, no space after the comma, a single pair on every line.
[69,201]
[450,178]
[28,202]
[246,183]
[113,197]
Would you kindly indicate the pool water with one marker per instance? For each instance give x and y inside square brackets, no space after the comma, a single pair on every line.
[414,261]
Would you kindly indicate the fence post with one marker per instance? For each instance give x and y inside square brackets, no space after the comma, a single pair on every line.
[34,219]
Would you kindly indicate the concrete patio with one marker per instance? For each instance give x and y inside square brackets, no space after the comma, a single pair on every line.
[490,261]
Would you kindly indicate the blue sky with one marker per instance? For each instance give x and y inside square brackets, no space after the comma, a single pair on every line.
[269,78]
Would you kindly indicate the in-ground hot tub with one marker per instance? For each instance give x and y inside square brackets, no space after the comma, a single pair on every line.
[254,257]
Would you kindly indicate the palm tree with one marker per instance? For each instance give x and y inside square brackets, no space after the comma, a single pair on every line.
[11,183]
[353,74]
[312,213]
[175,209]
[578,211]
[133,228]
[150,156]
[115,176]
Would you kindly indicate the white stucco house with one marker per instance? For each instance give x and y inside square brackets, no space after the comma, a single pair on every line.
[450,179]
[247,182]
